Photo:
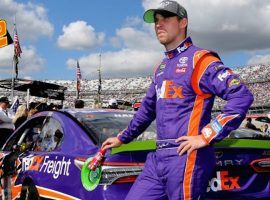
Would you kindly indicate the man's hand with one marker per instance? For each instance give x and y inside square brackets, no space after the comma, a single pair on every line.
[111,142]
[190,143]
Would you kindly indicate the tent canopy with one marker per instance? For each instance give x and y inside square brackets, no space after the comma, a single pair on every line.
[36,88]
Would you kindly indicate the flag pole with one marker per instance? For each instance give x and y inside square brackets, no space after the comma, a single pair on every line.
[77,82]
[99,82]
[78,78]
[13,64]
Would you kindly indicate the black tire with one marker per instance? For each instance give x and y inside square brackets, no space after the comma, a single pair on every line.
[29,192]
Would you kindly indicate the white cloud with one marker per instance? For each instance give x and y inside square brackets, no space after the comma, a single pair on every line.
[259,59]
[122,63]
[31,19]
[29,62]
[227,25]
[137,39]
[78,35]
[223,26]
[132,21]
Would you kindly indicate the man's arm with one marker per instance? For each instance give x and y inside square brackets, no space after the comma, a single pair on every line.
[4,118]
[141,120]
[220,81]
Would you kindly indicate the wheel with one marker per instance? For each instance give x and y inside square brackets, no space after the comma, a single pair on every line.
[29,192]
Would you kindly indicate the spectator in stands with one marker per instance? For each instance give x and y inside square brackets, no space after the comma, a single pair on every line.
[266,130]
[20,116]
[113,104]
[32,111]
[250,125]
[6,125]
[79,103]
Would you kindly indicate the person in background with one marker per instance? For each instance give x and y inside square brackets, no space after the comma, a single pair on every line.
[31,112]
[20,116]
[79,103]
[58,135]
[250,125]
[266,130]
[6,124]
[180,99]
[113,104]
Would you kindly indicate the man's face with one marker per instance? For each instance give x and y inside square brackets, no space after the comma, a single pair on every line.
[4,105]
[168,29]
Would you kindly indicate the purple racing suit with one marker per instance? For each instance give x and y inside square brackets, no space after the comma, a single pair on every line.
[181,98]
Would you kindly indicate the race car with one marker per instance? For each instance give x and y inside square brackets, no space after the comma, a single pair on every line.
[47,156]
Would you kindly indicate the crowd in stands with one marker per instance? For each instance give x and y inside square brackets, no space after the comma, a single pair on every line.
[133,89]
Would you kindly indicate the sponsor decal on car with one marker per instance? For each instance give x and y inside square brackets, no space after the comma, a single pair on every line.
[3,33]
[225,163]
[55,166]
[120,115]
[266,153]
[223,181]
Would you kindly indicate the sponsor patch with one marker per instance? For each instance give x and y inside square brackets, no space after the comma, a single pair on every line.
[225,74]
[182,62]
[216,126]
[207,132]
[180,70]
[184,47]
[169,91]
[162,67]
[219,67]
[234,82]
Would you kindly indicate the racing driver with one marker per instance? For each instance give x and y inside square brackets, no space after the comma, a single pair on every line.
[180,99]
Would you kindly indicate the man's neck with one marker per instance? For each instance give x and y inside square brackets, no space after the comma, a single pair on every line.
[174,44]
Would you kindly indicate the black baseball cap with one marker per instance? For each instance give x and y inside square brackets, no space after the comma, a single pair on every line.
[4,100]
[172,8]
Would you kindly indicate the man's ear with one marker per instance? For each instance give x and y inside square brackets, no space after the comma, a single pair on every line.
[183,23]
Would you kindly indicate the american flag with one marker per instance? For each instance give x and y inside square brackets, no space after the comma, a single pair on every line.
[17,50]
[79,77]
[15,105]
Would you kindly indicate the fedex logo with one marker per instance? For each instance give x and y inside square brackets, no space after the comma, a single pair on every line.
[223,182]
[32,163]
[224,75]
[169,91]
[184,47]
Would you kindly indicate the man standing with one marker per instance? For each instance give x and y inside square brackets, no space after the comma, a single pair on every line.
[180,98]
[6,125]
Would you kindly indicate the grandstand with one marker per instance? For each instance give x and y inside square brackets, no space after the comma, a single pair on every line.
[130,89]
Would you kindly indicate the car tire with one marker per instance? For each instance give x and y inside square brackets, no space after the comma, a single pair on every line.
[29,192]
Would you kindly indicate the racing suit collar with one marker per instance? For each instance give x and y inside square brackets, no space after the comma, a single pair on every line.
[184,45]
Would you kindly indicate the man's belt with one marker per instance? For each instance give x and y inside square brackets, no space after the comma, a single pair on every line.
[167,143]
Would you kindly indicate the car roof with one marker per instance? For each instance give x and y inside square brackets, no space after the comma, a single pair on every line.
[93,110]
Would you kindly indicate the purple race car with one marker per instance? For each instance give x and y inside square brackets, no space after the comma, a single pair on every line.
[45,158]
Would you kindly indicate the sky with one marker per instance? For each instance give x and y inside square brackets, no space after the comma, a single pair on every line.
[54,34]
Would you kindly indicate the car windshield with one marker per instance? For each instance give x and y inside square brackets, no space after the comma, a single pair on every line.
[248,133]
[109,124]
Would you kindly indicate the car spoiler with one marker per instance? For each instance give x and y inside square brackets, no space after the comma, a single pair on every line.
[150,145]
